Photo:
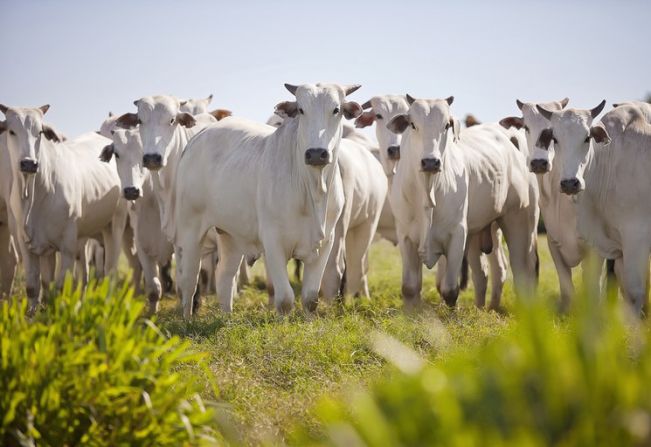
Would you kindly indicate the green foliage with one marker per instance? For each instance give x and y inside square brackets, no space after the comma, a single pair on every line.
[583,381]
[91,371]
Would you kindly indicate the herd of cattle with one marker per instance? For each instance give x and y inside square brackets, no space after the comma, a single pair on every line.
[173,179]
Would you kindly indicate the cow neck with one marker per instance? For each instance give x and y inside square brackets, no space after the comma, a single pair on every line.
[40,185]
[315,184]
[165,179]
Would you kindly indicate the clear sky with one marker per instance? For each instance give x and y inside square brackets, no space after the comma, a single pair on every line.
[88,57]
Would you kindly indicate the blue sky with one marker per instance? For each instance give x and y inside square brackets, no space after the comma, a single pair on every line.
[88,57]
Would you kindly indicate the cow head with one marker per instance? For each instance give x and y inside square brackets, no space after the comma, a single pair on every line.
[196,106]
[25,132]
[158,119]
[381,110]
[573,133]
[539,158]
[319,110]
[127,150]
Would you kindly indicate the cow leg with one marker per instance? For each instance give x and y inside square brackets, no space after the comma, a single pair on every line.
[113,239]
[358,241]
[230,258]
[188,254]
[334,270]
[130,249]
[8,261]
[478,270]
[636,273]
[564,273]
[243,276]
[33,284]
[521,242]
[276,264]
[454,255]
[81,272]
[412,272]
[67,264]
[153,288]
[47,271]
[312,275]
[441,267]
[592,270]
[498,268]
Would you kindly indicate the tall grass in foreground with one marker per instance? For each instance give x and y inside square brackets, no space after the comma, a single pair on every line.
[585,380]
[90,371]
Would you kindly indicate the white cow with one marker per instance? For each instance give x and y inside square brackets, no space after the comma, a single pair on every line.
[200,106]
[447,188]
[558,212]
[365,189]
[152,247]
[8,250]
[276,191]
[605,168]
[381,110]
[68,194]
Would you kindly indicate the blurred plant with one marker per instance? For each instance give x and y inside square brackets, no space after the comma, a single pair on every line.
[88,370]
[580,381]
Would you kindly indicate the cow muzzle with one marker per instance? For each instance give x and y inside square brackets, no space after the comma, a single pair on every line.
[394,152]
[539,166]
[431,165]
[153,162]
[131,193]
[317,157]
[28,166]
[571,186]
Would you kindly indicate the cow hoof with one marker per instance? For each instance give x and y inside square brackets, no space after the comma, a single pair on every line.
[310,305]
[413,304]
[284,307]
[154,304]
[196,302]
[450,297]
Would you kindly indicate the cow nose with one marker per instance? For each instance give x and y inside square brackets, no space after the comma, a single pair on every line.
[432,165]
[317,157]
[394,152]
[131,193]
[28,166]
[539,166]
[571,186]
[152,161]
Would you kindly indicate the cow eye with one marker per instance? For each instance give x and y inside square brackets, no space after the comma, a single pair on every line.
[116,155]
[413,126]
[335,111]
[447,126]
[301,111]
[12,132]
[526,128]
[172,121]
[378,116]
[587,139]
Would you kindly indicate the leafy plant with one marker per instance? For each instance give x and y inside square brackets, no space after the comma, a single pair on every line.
[89,370]
[583,381]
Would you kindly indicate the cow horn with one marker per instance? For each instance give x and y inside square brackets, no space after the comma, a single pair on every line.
[410,99]
[449,100]
[597,110]
[291,88]
[563,102]
[351,88]
[367,105]
[519,103]
[544,112]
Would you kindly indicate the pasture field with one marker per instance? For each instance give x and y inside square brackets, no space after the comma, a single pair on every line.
[272,370]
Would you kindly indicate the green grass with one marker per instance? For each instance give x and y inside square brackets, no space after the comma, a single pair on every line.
[271,370]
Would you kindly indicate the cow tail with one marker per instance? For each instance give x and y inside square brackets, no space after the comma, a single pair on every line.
[463,284]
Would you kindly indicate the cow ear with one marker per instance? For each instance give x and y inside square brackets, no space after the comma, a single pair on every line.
[44,108]
[128,121]
[221,113]
[351,110]
[286,109]
[185,119]
[456,129]
[3,108]
[51,134]
[471,121]
[365,119]
[399,123]
[512,121]
[599,134]
[107,153]
[545,139]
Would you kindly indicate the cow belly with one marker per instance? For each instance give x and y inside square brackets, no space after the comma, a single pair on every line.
[98,214]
